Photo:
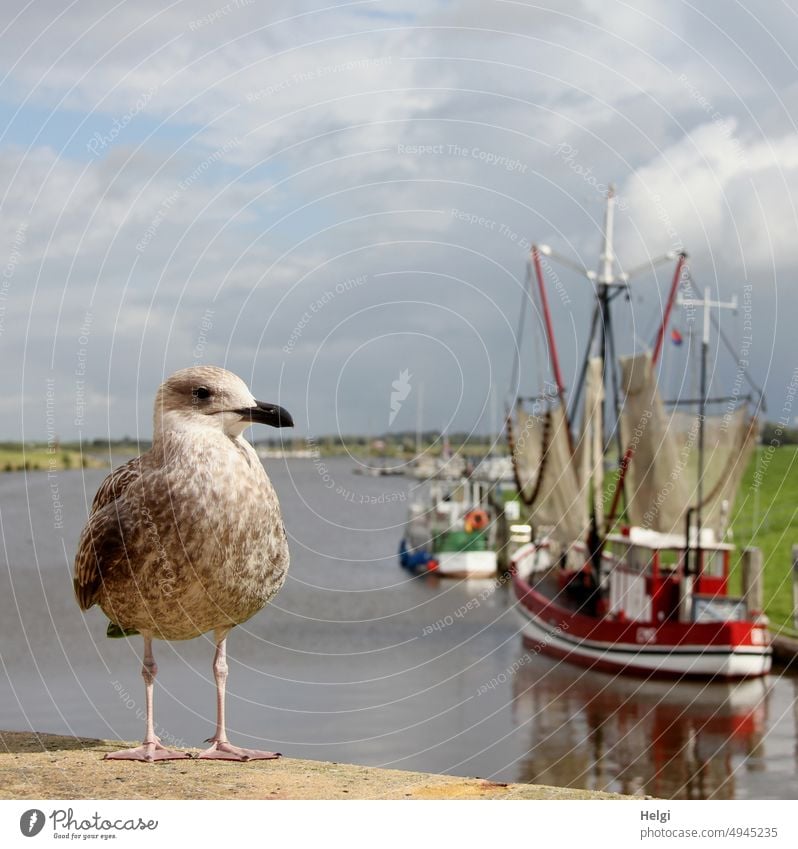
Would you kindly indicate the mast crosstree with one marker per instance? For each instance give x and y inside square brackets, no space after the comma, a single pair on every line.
[609,282]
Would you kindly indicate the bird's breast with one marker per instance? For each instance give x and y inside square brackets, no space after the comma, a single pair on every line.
[208,548]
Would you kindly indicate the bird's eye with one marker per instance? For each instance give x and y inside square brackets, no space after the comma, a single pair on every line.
[202,392]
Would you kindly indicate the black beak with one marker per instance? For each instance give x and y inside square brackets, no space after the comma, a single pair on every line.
[268,414]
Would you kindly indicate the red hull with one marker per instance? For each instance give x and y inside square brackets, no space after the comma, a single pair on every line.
[729,650]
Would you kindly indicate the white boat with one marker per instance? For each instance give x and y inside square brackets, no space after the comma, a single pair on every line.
[495,470]
[451,530]
[427,467]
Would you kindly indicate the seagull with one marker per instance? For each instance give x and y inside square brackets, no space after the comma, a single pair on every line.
[187,538]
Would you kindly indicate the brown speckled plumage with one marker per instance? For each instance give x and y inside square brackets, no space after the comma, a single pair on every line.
[187,538]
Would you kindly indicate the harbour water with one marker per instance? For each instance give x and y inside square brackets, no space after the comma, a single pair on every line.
[355,661]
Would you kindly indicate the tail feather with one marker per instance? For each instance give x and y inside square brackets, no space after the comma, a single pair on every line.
[116,632]
[85,594]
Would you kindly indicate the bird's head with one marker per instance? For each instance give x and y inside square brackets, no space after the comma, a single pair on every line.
[212,397]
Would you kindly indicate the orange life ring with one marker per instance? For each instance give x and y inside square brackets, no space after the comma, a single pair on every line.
[476,520]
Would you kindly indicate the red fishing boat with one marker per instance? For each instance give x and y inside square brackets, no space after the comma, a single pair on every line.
[643,586]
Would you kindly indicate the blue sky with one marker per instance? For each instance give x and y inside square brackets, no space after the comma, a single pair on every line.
[182,183]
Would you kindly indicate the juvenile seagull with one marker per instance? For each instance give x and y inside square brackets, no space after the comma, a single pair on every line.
[188,537]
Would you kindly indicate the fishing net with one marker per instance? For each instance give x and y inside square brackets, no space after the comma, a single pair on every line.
[590,448]
[555,484]
[548,477]
[662,475]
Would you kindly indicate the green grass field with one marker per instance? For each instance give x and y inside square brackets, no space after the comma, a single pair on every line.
[39,458]
[766,515]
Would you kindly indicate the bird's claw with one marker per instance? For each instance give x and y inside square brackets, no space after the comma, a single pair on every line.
[148,752]
[225,751]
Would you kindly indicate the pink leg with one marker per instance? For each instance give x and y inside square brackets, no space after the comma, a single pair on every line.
[151,749]
[222,749]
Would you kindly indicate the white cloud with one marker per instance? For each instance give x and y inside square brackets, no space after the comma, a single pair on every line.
[713,186]
[308,108]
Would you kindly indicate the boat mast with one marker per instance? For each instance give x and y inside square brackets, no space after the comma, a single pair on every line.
[544,304]
[606,282]
[629,453]
[555,360]
[706,303]
[609,285]
[607,276]
[419,417]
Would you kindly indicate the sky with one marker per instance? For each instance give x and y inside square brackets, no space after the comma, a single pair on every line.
[333,198]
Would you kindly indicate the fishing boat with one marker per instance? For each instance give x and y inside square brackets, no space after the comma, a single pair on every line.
[451,530]
[499,470]
[378,471]
[449,465]
[428,467]
[642,586]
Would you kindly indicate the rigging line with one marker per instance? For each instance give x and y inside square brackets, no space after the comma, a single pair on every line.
[652,325]
[583,370]
[654,321]
[694,360]
[649,332]
[742,369]
[644,346]
[693,353]
[516,373]
[724,338]
[616,390]
[723,399]
[540,356]
[729,468]
[546,436]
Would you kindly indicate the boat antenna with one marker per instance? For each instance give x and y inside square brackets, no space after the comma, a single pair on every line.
[705,303]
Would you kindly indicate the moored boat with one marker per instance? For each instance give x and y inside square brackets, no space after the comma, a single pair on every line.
[643,590]
[451,530]
[645,616]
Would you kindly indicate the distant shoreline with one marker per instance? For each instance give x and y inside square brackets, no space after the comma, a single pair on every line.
[43,456]
[40,458]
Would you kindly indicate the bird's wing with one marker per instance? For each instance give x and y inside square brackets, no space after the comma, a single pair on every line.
[101,544]
[100,549]
[116,484]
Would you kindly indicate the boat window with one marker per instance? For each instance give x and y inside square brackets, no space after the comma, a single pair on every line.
[719,609]
[713,563]
[639,559]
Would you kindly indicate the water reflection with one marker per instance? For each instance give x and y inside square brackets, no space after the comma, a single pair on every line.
[680,741]
[357,662]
